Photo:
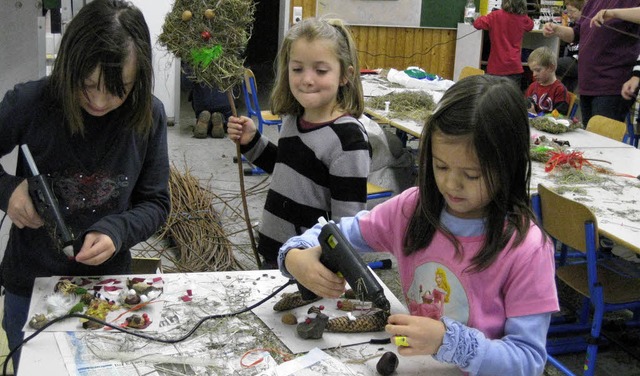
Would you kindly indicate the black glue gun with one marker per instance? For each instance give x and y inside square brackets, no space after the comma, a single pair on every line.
[339,256]
[46,205]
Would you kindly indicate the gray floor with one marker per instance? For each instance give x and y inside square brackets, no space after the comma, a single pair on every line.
[211,160]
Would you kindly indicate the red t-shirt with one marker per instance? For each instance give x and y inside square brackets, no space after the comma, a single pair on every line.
[505,32]
[547,98]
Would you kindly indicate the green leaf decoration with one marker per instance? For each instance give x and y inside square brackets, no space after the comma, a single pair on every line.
[204,56]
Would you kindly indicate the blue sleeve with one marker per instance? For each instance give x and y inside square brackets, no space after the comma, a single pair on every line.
[520,352]
[350,227]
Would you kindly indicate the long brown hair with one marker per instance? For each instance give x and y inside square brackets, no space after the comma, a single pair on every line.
[492,112]
[104,33]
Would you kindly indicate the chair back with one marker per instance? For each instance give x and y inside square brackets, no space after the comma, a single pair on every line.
[250,91]
[470,71]
[573,104]
[565,219]
[607,127]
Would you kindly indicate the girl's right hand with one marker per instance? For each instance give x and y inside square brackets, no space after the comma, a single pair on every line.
[305,266]
[21,210]
[241,129]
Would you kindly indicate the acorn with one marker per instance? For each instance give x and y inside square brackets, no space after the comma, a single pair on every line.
[205,35]
[387,364]
[209,14]
[186,15]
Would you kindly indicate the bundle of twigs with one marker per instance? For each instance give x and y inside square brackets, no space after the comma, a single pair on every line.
[195,227]
[210,36]
[412,105]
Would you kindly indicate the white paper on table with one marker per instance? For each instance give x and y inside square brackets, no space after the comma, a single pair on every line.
[316,362]
[288,335]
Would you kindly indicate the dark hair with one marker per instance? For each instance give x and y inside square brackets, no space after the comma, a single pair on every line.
[515,6]
[104,33]
[492,112]
[350,98]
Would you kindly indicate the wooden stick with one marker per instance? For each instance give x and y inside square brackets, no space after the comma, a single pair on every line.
[245,207]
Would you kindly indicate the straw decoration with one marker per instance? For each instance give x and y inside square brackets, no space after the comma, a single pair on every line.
[196,228]
[210,36]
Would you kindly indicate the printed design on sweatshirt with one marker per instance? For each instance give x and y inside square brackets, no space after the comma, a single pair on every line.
[79,191]
[435,292]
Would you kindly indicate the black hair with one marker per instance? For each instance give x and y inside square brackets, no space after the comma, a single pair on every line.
[105,33]
[492,112]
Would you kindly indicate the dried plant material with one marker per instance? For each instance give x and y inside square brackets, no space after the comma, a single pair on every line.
[195,227]
[551,125]
[291,301]
[411,105]
[211,37]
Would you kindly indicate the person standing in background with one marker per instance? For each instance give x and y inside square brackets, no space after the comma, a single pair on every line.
[629,88]
[567,70]
[506,28]
[607,57]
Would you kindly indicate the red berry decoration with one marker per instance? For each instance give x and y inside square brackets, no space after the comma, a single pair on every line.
[307,321]
[205,35]
[321,307]
[339,304]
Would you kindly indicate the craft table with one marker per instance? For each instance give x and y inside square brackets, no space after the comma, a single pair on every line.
[614,200]
[218,346]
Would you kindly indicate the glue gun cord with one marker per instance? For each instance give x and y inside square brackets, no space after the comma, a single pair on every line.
[141,335]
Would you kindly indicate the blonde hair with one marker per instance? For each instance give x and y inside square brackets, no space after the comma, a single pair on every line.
[445,284]
[349,96]
[544,57]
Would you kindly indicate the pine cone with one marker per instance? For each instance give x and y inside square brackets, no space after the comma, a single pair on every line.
[291,301]
[372,321]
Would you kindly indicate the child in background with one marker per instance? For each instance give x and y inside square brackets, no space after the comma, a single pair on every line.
[506,28]
[321,163]
[546,93]
[95,129]
[470,217]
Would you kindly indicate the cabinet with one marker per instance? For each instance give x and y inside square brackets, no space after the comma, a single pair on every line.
[472,42]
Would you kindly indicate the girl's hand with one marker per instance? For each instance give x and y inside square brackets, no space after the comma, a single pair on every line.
[424,335]
[630,88]
[241,129]
[305,266]
[600,18]
[96,249]
[21,210]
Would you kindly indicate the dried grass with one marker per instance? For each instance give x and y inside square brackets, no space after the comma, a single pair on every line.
[412,105]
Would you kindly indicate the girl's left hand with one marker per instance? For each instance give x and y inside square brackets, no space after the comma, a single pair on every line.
[423,334]
[96,249]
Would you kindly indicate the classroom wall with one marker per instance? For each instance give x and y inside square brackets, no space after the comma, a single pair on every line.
[397,47]
[18,62]
[400,47]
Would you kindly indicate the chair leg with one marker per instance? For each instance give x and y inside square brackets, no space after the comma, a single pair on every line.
[554,362]
[594,340]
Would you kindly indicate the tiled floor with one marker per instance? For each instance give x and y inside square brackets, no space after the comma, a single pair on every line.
[212,161]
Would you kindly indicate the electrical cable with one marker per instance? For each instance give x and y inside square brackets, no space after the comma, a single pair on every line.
[137,334]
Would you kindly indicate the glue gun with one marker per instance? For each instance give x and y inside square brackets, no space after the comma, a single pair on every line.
[339,256]
[46,205]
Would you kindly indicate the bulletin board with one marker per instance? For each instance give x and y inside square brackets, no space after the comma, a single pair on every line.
[446,14]
[407,13]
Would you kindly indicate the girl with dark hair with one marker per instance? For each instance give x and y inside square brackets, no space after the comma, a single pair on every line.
[99,135]
[469,220]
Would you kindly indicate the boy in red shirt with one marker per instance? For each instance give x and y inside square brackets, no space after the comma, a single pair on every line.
[546,93]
